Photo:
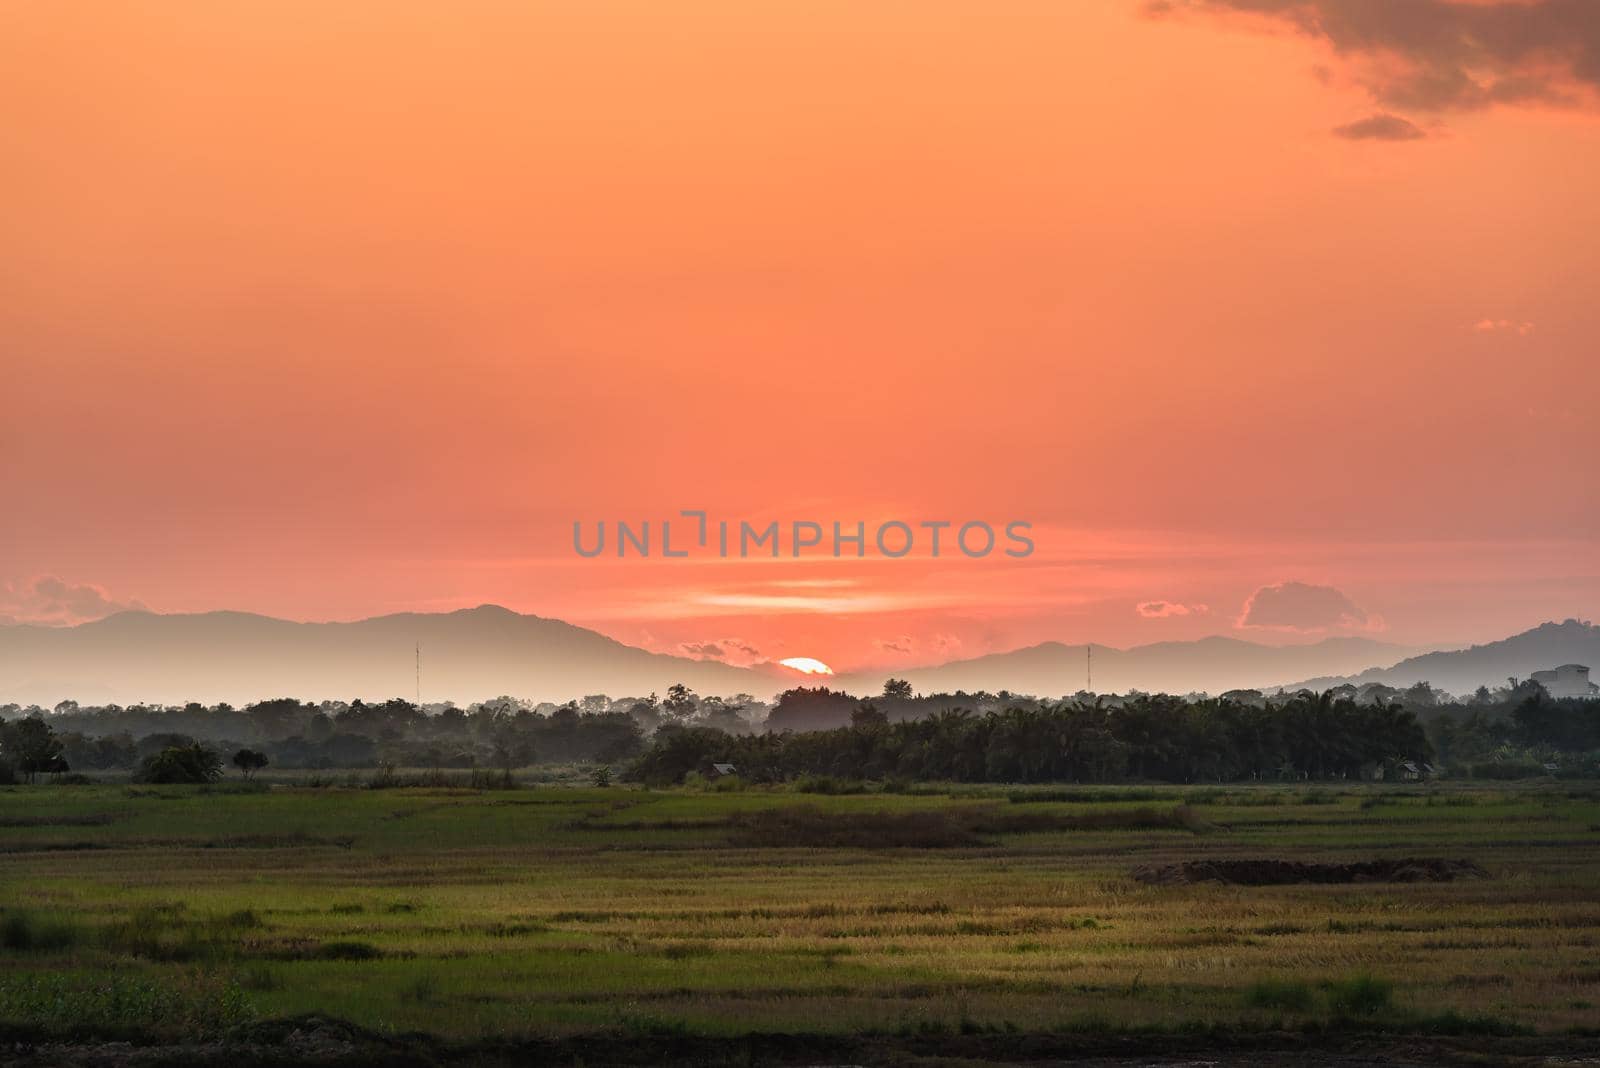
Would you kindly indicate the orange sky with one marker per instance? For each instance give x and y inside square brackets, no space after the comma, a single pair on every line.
[328,310]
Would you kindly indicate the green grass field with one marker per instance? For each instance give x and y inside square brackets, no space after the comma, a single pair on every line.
[170,912]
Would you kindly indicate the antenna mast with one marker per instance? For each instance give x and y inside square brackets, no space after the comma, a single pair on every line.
[419,674]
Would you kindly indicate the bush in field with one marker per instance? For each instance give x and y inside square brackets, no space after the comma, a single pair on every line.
[1281,994]
[348,951]
[827,784]
[21,932]
[249,761]
[1360,995]
[174,765]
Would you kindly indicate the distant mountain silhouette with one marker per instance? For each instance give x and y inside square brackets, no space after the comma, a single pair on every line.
[1213,665]
[483,652]
[470,655]
[1463,670]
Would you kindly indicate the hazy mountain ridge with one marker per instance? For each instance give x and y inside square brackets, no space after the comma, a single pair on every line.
[1214,664]
[468,655]
[1461,671]
[477,653]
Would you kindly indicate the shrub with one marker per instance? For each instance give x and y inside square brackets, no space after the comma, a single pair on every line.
[1360,995]
[22,932]
[424,989]
[179,764]
[996,821]
[259,976]
[1281,994]
[156,933]
[1452,1022]
[348,951]
[249,761]
[828,785]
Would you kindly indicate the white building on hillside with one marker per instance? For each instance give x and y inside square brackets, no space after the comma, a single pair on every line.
[1568,680]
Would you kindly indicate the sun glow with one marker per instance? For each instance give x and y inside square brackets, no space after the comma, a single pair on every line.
[807,665]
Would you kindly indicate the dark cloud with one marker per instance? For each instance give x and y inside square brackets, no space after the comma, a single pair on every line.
[1380,127]
[1438,56]
[1301,606]
[53,601]
[728,650]
[900,645]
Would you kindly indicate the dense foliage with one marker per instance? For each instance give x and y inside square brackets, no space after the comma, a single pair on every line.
[1156,737]
[178,764]
[1243,735]
[293,734]
[28,747]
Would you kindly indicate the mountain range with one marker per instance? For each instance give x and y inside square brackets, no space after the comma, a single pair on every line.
[483,652]
[470,655]
[1462,671]
[1213,665]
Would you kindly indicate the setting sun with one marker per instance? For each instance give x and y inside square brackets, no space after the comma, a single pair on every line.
[807,665]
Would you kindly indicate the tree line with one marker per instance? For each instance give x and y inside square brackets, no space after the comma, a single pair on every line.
[152,742]
[1242,735]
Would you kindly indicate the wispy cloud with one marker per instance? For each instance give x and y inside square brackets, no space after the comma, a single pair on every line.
[777,602]
[1503,326]
[1164,609]
[814,584]
[728,650]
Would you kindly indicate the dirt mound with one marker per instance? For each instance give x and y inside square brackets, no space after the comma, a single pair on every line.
[1284,872]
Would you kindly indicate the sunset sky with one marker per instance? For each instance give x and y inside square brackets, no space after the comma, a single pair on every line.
[328,310]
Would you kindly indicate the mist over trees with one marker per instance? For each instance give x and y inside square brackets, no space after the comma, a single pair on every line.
[1346,732]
